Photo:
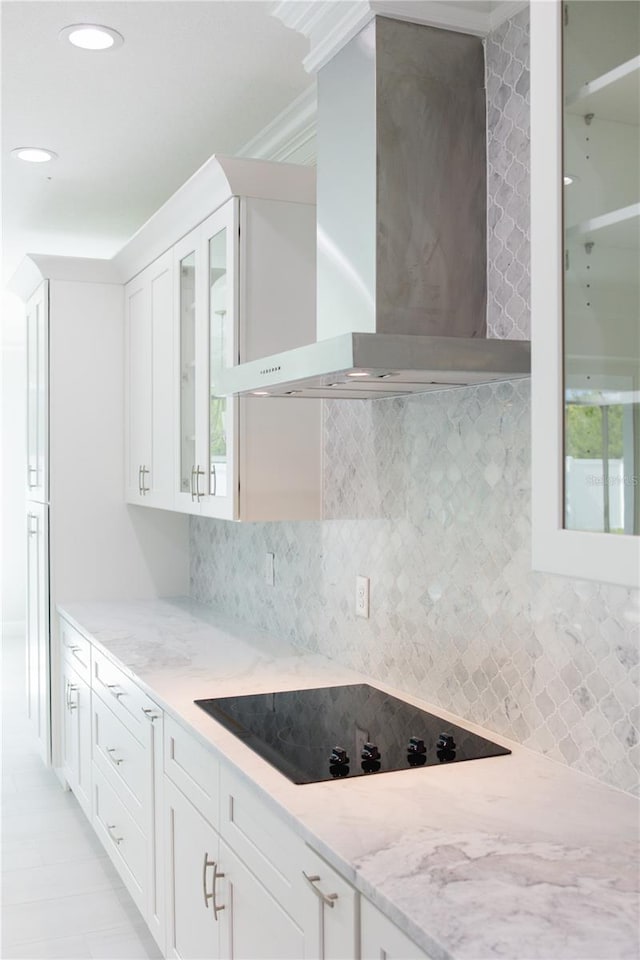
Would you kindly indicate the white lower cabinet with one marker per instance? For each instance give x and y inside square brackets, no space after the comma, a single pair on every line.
[253,923]
[382,940]
[216,873]
[76,735]
[191,862]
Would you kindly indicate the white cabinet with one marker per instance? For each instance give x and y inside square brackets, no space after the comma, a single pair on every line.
[83,539]
[127,732]
[382,940]
[76,735]
[242,286]
[247,269]
[192,872]
[148,385]
[37,627]
[37,316]
[253,923]
[585,289]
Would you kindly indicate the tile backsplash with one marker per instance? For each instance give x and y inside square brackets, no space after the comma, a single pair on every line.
[429,496]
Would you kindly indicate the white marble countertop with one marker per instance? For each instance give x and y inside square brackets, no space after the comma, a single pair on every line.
[516,857]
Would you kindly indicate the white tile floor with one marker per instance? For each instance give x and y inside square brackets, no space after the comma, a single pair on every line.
[61,896]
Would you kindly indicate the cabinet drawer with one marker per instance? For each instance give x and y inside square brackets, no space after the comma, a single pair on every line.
[133,707]
[121,838]
[124,762]
[271,850]
[192,768]
[76,650]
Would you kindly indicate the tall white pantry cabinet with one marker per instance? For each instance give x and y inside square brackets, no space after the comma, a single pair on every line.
[83,541]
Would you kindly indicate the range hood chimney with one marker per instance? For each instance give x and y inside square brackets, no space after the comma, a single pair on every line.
[401,235]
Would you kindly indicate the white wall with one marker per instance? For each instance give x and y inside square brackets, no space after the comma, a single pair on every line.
[13,412]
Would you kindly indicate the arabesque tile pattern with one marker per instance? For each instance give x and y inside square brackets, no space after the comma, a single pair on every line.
[430,498]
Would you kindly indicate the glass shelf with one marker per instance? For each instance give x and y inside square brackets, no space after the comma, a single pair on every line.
[619,228]
[613,96]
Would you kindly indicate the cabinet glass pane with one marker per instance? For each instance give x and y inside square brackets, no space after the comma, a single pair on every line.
[187,370]
[601,173]
[34,389]
[220,344]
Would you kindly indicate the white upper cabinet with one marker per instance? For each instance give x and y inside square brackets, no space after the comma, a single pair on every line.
[242,286]
[585,231]
[148,385]
[37,312]
[206,268]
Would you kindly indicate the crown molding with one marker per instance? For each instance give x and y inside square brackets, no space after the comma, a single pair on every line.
[330,24]
[504,10]
[291,136]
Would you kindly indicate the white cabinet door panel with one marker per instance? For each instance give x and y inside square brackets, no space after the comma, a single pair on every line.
[253,924]
[37,395]
[139,387]
[191,857]
[37,632]
[382,940]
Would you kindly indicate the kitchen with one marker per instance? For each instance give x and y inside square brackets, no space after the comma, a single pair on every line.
[428,498]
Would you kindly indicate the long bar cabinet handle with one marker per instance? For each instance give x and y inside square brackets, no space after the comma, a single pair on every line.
[207,863]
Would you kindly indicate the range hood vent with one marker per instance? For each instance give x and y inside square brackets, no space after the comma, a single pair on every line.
[401,233]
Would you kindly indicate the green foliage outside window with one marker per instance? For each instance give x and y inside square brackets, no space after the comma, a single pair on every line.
[583,436]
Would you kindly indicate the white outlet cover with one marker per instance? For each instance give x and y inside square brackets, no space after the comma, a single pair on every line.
[362,597]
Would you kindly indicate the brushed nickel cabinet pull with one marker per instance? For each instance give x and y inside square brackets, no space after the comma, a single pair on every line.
[115,760]
[198,473]
[328,898]
[117,840]
[216,876]
[207,863]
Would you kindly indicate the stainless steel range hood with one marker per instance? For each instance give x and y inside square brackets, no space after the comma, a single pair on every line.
[401,262]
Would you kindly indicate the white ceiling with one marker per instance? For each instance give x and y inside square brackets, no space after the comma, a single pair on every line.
[131,125]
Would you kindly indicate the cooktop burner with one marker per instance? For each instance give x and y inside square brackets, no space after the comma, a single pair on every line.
[351,731]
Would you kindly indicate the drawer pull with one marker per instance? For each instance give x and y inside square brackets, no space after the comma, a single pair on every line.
[328,898]
[117,840]
[115,760]
[113,690]
[149,714]
[71,688]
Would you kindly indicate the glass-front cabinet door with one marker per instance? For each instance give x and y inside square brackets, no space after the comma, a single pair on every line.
[601,217]
[585,288]
[37,390]
[206,267]
[220,245]
[187,259]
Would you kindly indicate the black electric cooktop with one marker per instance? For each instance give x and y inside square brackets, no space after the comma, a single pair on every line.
[351,731]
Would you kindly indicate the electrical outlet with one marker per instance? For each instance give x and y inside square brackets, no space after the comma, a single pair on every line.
[362,597]
[269,569]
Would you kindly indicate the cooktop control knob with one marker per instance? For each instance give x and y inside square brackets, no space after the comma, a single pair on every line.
[446,742]
[416,746]
[339,757]
[370,752]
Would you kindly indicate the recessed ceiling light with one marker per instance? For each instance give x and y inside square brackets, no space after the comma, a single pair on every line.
[34,154]
[260,393]
[92,36]
[358,373]
[569,178]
